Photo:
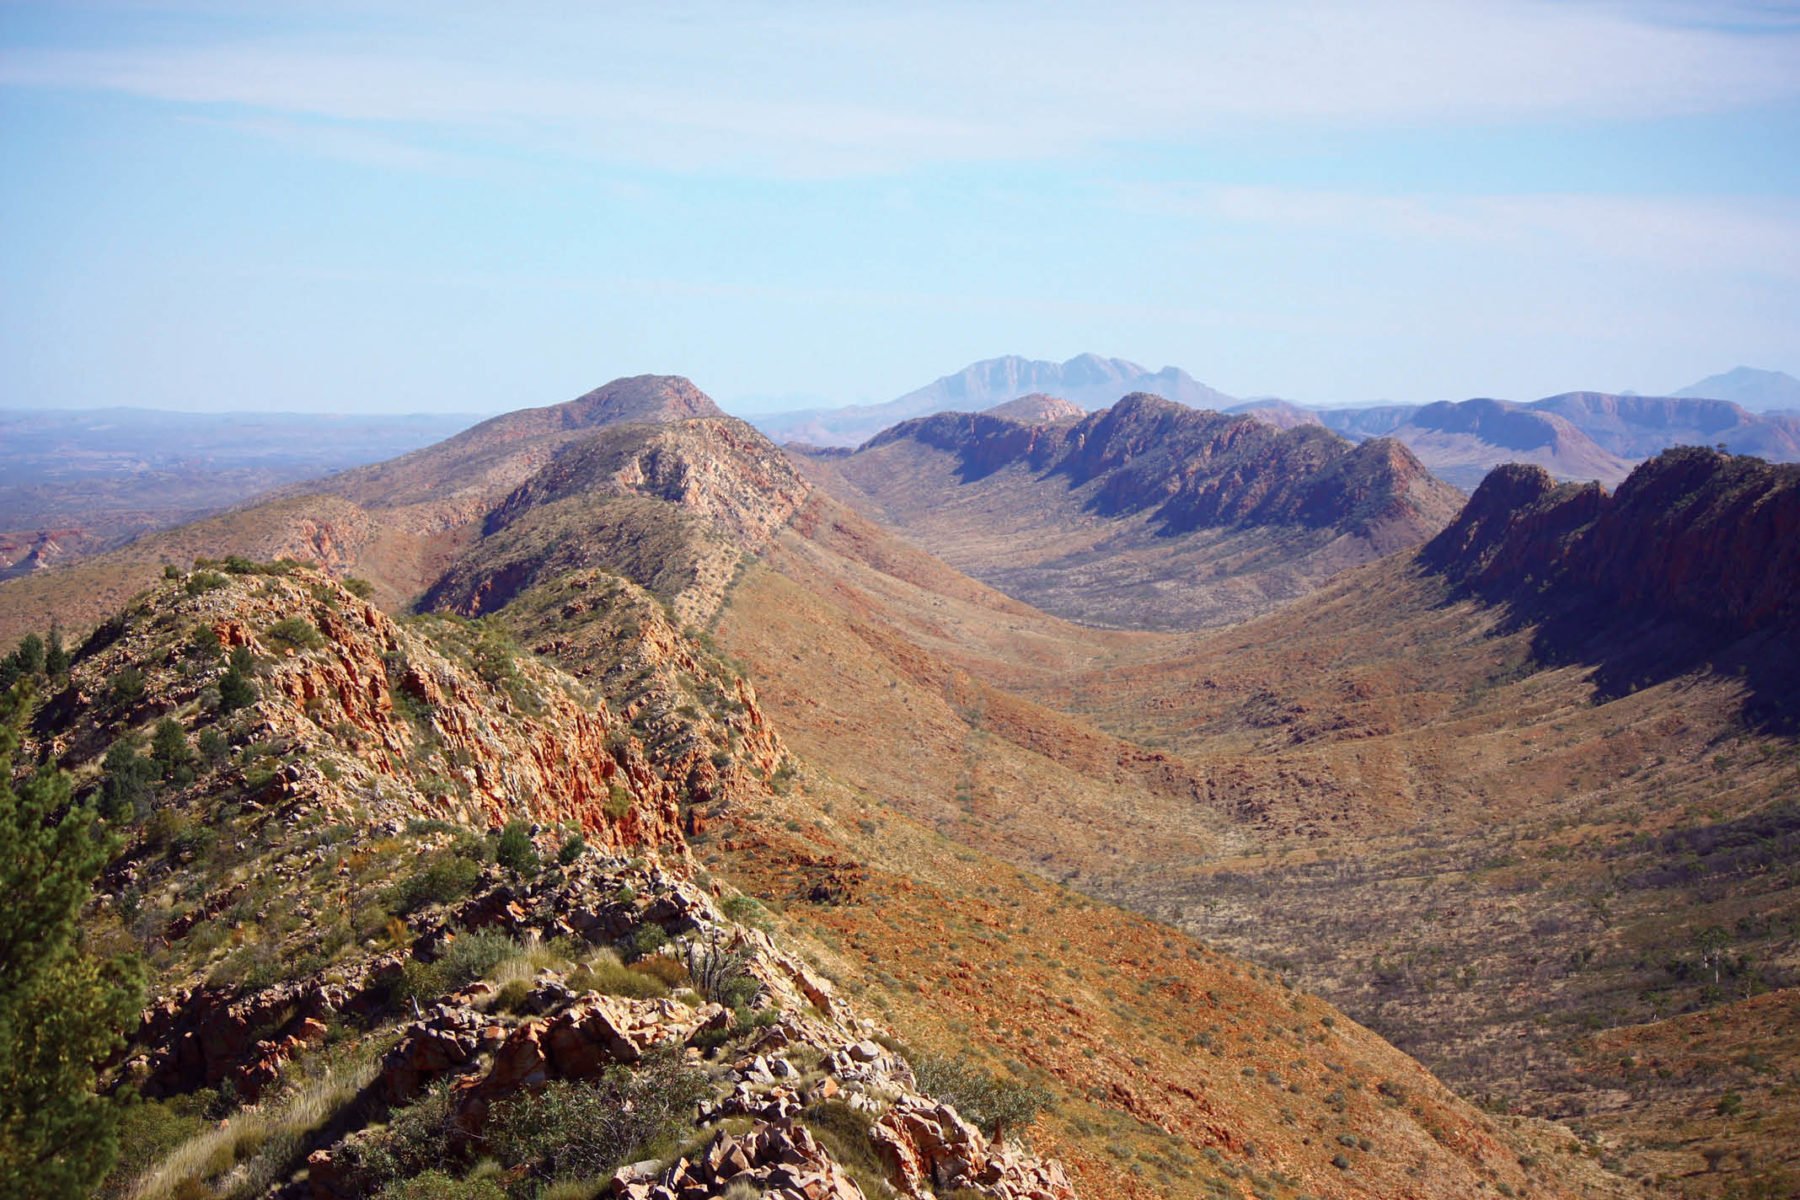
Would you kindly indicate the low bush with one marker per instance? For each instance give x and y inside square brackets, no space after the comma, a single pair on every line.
[585,1130]
[995,1104]
[295,633]
[605,973]
[439,879]
[515,851]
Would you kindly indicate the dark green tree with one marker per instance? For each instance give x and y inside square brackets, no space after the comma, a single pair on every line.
[236,691]
[516,852]
[62,1011]
[169,747]
[30,654]
[127,783]
[56,655]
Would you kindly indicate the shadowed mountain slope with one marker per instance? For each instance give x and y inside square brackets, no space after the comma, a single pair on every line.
[1705,544]
[1148,512]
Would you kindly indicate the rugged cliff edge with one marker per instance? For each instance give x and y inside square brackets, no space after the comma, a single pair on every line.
[1694,538]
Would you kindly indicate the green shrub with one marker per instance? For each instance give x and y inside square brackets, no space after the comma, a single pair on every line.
[469,956]
[516,852]
[295,633]
[204,581]
[215,747]
[235,692]
[575,1130]
[416,1139]
[511,998]
[362,589]
[127,783]
[148,1130]
[203,645]
[127,686]
[648,938]
[607,974]
[439,879]
[995,1104]
[573,847]
[435,1185]
[174,756]
[56,655]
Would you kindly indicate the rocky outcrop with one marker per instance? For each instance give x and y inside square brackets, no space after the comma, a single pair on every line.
[779,1161]
[1193,469]
[397,722]
[929,1146]
[1695,560]
[1695,535]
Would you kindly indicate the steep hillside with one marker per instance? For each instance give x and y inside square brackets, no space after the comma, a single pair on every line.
[1703,543]
[892,687]
[1484,846]
[332,938]
[385,894]
[1147,513]
[1087,380]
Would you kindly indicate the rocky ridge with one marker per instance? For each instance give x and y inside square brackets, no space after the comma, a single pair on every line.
[1693,534]
[1147,512]
[370,761]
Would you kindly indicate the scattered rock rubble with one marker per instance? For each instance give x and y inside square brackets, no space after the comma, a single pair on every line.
[808,1048]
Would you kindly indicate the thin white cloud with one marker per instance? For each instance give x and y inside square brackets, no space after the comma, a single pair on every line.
[853,89]
[1720,234]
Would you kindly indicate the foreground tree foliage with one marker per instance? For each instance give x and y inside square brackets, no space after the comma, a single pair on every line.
[62,1011]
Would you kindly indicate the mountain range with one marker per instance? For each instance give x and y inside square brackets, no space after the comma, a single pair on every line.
[1574,435]
[1356,839]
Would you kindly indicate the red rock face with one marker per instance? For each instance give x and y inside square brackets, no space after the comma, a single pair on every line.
[1693,534]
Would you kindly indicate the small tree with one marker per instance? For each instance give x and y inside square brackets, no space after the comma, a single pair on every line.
[169,747]
[56,655]
[516,852]
[235,690]
[127,783]
[30,654]
[62,1011]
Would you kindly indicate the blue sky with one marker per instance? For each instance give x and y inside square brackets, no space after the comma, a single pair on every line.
[429,206]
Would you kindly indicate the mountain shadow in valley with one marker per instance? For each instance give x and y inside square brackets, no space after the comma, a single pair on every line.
[1693,563]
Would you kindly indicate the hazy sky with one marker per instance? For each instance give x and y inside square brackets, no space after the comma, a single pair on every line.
[435,206]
